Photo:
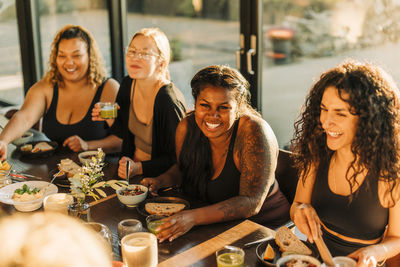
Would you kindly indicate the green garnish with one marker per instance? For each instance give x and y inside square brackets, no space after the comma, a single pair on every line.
[25,189]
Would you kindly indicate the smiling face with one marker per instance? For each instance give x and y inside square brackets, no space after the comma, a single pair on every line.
[339,123]
[142,68]
[72,59]
[215,111]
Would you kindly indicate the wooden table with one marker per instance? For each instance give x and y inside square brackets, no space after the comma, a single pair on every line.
[195,248]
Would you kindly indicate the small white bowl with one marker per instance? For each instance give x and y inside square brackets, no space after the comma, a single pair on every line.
[25,138]
[132,201]
[7,192]
[282,261]
[86,157]
[343,261]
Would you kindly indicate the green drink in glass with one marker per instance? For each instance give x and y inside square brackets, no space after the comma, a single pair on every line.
[153,222]
[230,256]
[108,110]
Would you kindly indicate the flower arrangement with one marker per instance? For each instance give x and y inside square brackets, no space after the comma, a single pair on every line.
[87,182]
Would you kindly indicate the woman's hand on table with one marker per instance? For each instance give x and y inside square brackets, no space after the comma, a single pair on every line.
[307,221]
[176,225]
[75,143]
[365,257]
[153,184]
[3,150]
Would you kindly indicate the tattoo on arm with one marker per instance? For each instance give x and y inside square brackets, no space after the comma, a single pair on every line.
[257,156]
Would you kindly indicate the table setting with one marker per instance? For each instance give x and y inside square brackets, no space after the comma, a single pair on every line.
[198,247]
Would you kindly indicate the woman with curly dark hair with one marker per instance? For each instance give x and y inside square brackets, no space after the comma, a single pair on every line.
[227,155]
[66,95]
[347,149]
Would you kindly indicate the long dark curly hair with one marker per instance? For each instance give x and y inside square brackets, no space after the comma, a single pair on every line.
[195,159]
[374,98]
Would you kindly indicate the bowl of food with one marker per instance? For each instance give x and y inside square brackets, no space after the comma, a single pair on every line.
[298,260]
[25,138]
[132,195]
[27,196]
[86,157]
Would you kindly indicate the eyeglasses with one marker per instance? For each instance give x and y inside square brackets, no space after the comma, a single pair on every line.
[132,53]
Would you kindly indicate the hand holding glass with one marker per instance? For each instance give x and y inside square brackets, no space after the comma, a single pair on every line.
[108,110]
[153,221]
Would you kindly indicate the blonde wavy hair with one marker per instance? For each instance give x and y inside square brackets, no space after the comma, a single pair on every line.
[96,71]
[49,239]
[163,47]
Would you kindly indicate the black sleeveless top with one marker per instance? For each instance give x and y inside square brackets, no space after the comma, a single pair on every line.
[85,129]
[362,218]
[226,185]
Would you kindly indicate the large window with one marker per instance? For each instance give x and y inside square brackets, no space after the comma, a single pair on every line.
[11,86]
[303,38]
[201,33]
[90,14]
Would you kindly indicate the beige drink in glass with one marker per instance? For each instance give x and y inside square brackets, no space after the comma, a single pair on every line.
[57,202]
[139,250]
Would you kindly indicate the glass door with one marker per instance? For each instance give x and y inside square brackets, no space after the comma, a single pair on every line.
[201,33]
[303,38]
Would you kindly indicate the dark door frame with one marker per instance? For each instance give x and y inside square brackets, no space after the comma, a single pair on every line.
[251,32]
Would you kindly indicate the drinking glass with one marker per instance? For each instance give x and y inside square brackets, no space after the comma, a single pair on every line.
[108,110]
[5,179]
[139,249]
[153,221]
[129,226]
[102,230]
[230,256]
[58,202]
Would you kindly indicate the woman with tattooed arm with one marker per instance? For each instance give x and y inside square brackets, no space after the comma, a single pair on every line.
[227,155]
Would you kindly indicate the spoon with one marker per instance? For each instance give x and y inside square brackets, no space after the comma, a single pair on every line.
[128,165]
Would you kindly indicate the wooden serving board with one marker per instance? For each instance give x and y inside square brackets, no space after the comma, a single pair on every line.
[209,247]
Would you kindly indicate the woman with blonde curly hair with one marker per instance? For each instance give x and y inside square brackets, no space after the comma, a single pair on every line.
[66,95]
[50,239]
[347,149]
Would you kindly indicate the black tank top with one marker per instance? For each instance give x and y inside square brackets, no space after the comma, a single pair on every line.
[226,185]
[85,129]
[362,218]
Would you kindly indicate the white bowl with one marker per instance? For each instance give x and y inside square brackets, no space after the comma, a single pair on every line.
[132,201]
[282,261]
[25,138]
[342,261]
[7,192]
[86,157]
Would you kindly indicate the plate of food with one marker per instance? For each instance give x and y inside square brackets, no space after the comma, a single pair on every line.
[165,206]
[38,149]
[27,196]
[61,178]
[285,243]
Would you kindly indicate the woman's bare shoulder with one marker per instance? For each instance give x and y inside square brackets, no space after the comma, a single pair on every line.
[251,125]
[110,91]
[389,192]
[182,127]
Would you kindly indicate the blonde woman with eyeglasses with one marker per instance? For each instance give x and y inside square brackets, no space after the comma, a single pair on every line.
[150,107]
